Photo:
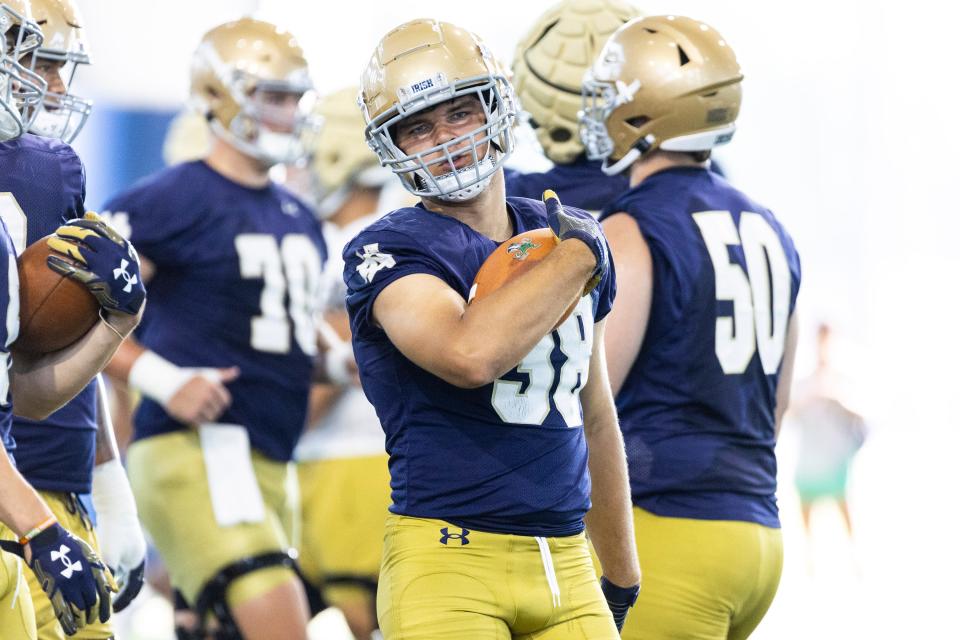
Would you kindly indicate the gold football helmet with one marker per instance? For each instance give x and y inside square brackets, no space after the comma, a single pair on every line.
[238,71]
[64,41]
[665,82]
[417,66]
[340,157]
[549,64]
[21,90]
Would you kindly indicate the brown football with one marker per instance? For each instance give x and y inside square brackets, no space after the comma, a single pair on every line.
[55,311]
[513,258]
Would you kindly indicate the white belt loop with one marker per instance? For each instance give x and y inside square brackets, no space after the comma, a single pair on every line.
[548,569]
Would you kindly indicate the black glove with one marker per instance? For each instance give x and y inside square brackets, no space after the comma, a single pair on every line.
[129,587]
[587,230]
[619,599]
[72,576]
[102,260]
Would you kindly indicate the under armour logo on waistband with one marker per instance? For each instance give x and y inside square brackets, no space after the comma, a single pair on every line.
[462,536]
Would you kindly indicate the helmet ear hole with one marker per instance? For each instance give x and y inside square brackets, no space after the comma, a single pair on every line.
[637,121]
[560,134]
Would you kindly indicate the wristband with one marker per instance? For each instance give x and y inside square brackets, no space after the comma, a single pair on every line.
[158,378]
[37,530]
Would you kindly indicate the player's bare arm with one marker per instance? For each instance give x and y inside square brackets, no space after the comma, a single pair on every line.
[190,395]
[786,371]
[627,322]
[466,345]
[90,252]
[609,521]
[42,384]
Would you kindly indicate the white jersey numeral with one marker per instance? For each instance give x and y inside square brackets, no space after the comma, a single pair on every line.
[292,269]
[761,296]
[533,404]
[15,219]
[12,326]
[16,222]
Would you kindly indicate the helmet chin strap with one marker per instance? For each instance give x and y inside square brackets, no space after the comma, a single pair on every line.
[11,124]
[270,148]
[467,193]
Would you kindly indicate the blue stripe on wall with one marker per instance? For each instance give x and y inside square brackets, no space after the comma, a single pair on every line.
[120,146]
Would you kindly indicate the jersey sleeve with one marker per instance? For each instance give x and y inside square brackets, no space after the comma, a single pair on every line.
[606,291]
[74,184]
[372,261]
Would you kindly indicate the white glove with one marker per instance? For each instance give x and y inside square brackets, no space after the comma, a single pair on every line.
[122,545]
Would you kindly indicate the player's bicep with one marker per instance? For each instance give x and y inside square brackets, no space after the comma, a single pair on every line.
[421,315]
[627,321]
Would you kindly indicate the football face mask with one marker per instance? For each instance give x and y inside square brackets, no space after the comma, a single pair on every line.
[21,90]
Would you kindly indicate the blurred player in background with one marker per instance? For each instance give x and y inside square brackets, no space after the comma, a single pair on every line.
[43,183]
[701,341]
[548,68]
[75,581]
[486,409]
[342,467]
[226,354]
[831,434]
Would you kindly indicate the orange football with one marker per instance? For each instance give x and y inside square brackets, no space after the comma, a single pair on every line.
[55,311]
[513,258]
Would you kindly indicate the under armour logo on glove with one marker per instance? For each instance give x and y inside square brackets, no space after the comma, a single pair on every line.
[63,555]
[88,251]
[121,272]
[446,536]
[73,577]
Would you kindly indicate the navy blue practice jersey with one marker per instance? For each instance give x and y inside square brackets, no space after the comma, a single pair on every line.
[580,184]
[697,408]
[509,457]
[237,284]
[42,184]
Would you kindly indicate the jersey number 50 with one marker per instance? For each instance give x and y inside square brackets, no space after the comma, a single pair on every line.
[761,296]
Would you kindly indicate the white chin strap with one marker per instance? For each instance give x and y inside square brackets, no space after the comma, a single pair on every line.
[276,147]
[269,147]
[449,181]
[11,124]
[55,124]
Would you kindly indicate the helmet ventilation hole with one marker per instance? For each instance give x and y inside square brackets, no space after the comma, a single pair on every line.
[684,58]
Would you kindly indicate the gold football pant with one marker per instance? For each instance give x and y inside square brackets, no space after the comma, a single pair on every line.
[74,519]
[17,619]
[441,582]
[702,579]
[344,505]
[169,482]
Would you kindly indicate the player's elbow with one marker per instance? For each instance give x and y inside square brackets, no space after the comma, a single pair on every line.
[34,408]
[469,369]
